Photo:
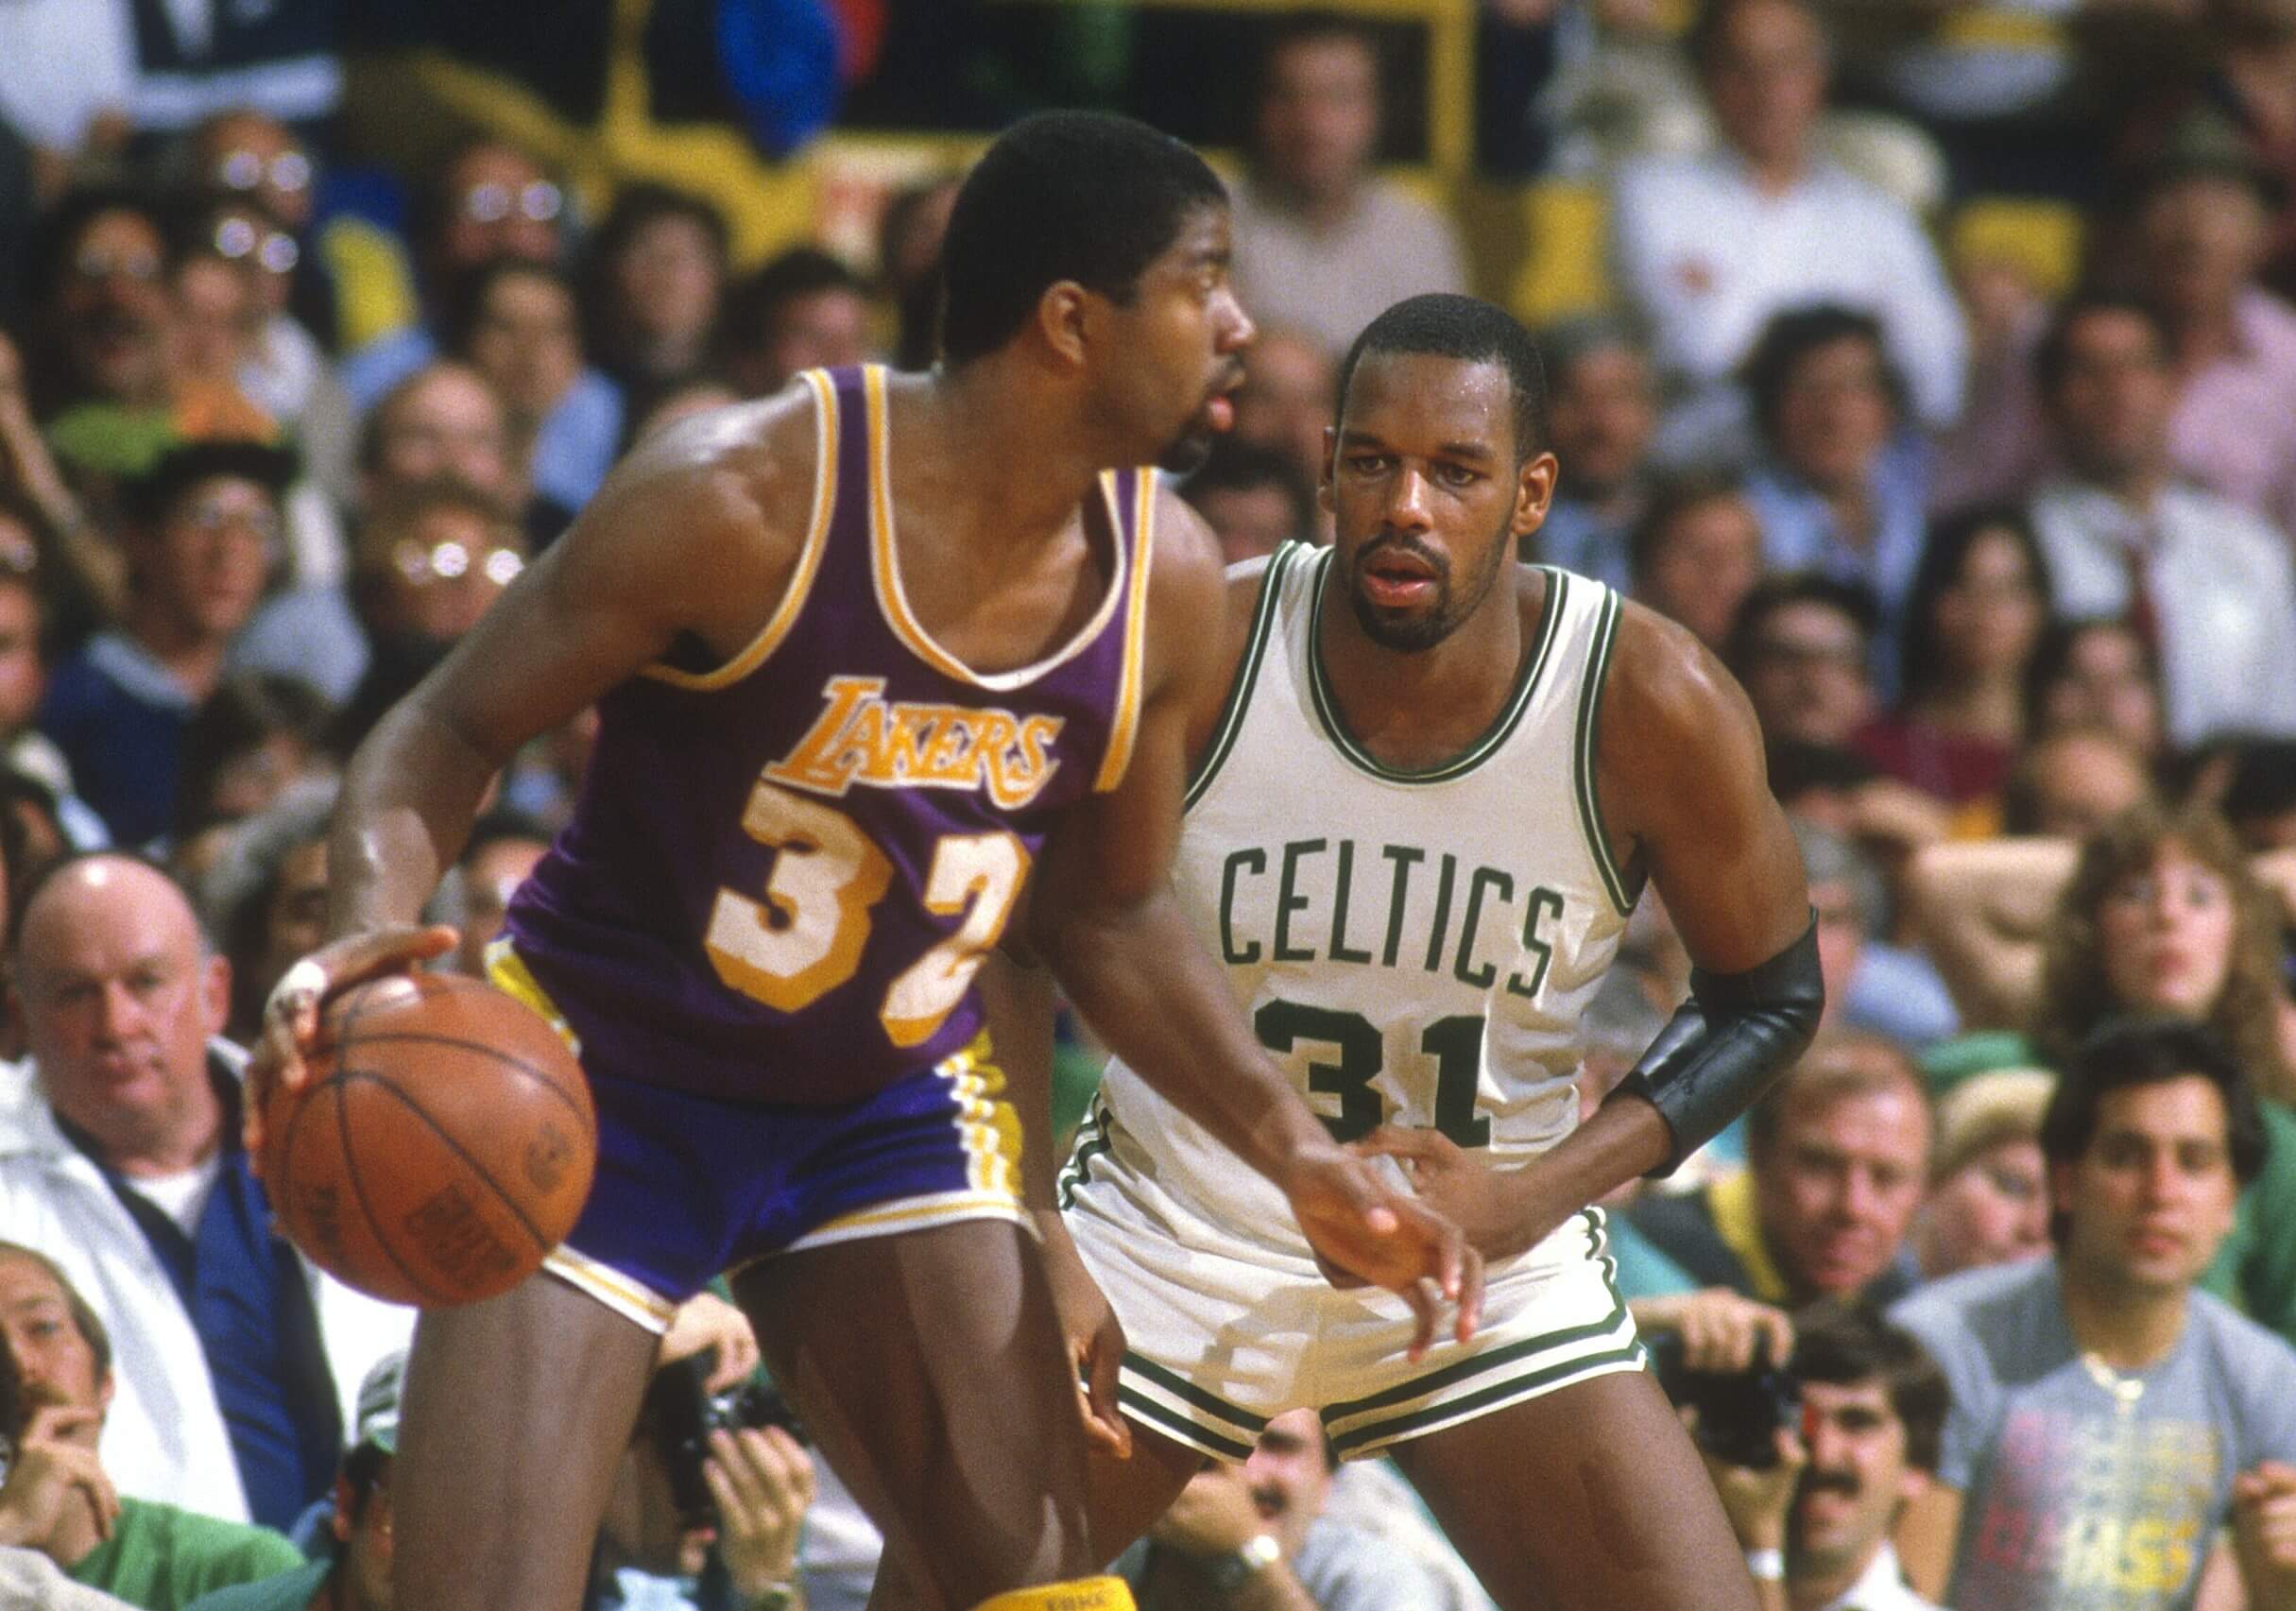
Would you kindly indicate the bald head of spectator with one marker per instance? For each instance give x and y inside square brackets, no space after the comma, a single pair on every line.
[1696,554]
[446,419]
[1763,64]
[1802,646]
[2071,783]
[1601,407]
[120,994]
[1290,398]
[1840,1151]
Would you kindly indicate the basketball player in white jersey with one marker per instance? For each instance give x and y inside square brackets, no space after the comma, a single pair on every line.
[1413,834]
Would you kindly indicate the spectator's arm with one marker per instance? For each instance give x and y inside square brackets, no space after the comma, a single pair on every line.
[1927,1535]
[2220,1586]
[2264,1532]
[1720,1331]
[1982,909]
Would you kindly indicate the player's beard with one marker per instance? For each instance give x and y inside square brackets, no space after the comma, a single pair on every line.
[1412,635]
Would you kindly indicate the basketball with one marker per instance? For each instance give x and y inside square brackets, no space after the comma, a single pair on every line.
[442,1148]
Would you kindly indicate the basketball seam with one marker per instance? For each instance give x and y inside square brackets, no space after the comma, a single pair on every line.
[384,1082]
[351,1162]
[533,1071]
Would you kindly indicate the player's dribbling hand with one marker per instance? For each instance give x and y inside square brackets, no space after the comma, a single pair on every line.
[291,1017]
[1360,1228]
[1094,1337]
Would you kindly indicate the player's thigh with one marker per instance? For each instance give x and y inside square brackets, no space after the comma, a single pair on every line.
[517,1412]
[1587,1499]
[930,1371]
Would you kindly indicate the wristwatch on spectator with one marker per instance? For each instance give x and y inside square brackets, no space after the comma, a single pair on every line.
[1232,1572]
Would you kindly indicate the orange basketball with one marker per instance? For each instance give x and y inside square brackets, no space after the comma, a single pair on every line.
[442,1148]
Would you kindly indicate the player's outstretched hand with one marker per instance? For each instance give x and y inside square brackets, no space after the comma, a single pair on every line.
[1359,1228]
[291,1017]
[1095,1339]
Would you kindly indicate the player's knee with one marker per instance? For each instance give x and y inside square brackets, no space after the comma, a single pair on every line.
[1077,1594]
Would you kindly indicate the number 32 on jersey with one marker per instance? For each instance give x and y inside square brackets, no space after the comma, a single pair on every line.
[804,939]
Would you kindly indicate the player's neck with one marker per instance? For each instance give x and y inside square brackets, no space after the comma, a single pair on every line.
[2124,1329]
[1015,463]
[1418,706]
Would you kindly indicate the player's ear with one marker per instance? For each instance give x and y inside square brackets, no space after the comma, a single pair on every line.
[1062,313]
[1533,491]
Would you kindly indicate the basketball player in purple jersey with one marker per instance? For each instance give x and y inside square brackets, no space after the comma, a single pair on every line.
[866,654]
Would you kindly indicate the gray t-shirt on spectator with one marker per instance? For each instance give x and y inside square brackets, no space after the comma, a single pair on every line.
[2082,1489]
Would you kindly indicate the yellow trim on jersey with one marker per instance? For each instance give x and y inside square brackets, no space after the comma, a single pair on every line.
[1078,1594]
[507,970]
[631,1299]
[1117,759]
[809,557]
[893,599]
[986,1124]
[913,1213]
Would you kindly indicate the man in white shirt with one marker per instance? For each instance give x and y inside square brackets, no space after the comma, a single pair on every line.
[1321,242]
[1710,247]
[2211,585]
[1816,1525]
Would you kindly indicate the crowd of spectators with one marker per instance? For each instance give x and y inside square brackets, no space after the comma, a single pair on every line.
[2005,567]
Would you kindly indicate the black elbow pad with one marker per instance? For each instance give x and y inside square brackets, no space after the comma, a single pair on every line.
[1735,1036]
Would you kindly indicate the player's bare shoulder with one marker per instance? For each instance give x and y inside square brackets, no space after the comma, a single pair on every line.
[1672,721]
[706,519]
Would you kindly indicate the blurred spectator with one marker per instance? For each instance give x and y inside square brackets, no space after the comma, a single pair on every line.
[1322,242]
[264,896]
[2098,672]
[1973,621]
[203,533]
[433,560]
[2096,1395]
[1802,645]
[501,851]
[2211,584]
[1988,1198]
[655,271]
[515,322]
[1999,447]
[1841,486]
[1870,984]
[2070,784]
[257,736]
[2260,800]
[89,575]
[216,315]
[804,310]
[1837,1153]
[351,1572]
[488,201]
[59,1497]
[2201,238]
[1696,553]
[1252,498]
[1873,1405]
[1290,398]
[1601,407]
[236,1361]
[909,265]
[25,643]
[1207,1550]
[1708,247]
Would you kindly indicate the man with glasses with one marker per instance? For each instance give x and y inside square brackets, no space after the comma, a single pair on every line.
[202,533]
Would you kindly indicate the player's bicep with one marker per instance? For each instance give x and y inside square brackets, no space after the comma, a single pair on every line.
[1683,776]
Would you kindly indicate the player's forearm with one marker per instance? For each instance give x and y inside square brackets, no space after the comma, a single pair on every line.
[1141,978]
[1621,1141]
[408,800]
[1018,1000]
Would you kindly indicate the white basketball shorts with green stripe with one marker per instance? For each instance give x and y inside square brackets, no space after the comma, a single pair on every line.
[1223,1332]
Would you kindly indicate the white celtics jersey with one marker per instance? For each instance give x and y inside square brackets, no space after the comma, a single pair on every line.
[1416,948]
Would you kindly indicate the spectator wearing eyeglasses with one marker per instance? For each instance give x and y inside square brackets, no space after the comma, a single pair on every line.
[489,200]
[202,534]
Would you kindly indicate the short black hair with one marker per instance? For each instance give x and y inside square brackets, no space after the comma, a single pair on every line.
[147,500]
[2151,1050]
[1797,767]
[1791,337]
[1079,196]
[56,237]
[1235,465]
[1443,324]
[1846,1343]
[2263,782]
[2053,355]
[1776,591]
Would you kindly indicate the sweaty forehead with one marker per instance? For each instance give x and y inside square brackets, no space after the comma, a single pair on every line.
[1423,398]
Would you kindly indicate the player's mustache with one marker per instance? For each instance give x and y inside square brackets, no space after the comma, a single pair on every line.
[1389,539]
[1842,1482]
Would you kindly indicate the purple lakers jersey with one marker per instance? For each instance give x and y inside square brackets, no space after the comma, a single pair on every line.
[781,875]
